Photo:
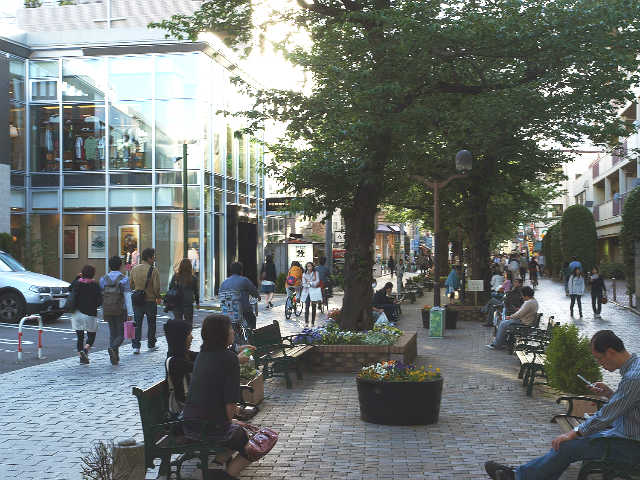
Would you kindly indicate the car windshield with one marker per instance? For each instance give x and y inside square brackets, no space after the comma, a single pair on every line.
[10,264]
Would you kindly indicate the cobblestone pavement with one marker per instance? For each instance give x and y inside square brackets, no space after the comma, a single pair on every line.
[50,413]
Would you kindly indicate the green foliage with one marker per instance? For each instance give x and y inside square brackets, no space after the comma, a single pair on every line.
[556,248]
[280,283]
[567,355]
[8,245]
[630,234]
[66,2]
[612,270]
[32,3]
[547,245]
[578,236]
[337,280]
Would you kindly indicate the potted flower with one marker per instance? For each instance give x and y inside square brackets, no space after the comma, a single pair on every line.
[251,377]
[394,393]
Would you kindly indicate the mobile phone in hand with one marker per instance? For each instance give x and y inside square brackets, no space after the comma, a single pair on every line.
[585,380]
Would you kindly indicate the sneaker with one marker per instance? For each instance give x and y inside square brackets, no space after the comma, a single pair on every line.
[84,358]
[113,356]
[498,471]
[491,346]
[270,305]
[153,349]
[136,351]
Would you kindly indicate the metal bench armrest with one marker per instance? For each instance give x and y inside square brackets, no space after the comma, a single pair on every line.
[599,401]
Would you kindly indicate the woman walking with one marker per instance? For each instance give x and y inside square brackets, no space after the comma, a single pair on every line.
[311,292]
[576,289]
[268,279]
[187,287]
[597,291]
[87,298]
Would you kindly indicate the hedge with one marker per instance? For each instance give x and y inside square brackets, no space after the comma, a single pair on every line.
[578,236]
[630,234]
[556,249]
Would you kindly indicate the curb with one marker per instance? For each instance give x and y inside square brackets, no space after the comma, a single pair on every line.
[634,310]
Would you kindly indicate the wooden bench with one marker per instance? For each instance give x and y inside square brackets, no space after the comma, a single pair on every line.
[531,365]
[609,469]
[276,354]
[163,438]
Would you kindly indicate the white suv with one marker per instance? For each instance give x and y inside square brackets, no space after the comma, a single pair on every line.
[24,293]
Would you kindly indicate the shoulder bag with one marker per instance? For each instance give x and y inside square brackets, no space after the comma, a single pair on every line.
[138,296]
[261,441]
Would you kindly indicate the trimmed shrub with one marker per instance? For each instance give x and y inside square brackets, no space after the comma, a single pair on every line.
[630,234]
[578,236]
[567,355]
[547,249]
[556,249]
[280,281]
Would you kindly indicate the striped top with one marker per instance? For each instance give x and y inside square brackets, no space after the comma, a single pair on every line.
[620,416]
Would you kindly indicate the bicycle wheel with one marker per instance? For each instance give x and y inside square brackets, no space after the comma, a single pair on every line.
[298,306]
[288,308]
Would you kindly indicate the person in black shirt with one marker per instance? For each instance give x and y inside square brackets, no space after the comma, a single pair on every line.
[268,280]
[597,291]
[187,285]
[179,337]
[383,299]
[87,298]
[215,391]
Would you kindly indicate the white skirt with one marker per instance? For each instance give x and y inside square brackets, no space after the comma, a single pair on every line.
[314,292]
[80,321]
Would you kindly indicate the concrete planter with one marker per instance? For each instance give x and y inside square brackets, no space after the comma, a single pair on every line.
[351,358]
[257,396]
[467,313]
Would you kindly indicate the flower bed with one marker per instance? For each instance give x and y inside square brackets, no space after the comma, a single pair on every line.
[383,333]
[395,371]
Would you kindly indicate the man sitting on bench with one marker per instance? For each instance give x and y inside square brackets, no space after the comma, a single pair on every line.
[383,300]
[526,315]
[619,417]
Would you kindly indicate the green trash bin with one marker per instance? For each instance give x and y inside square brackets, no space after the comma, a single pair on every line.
[437,322]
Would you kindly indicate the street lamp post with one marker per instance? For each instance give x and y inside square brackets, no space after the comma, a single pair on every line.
[464,161]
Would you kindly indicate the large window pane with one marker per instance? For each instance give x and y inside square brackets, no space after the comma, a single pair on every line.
[43,69]
[16,80]
[84,179]
[242,156]
[85,243]
[130,178]
[170,198]
[170,242]
[17,137]
[45,180]
[231,166]
[130,78]
[83,141]
[44,200]
[83,199]
[179,121]
[45,123]
[130,199]
[83,79]
[254,158]
[43,254]
[182,76]
[17,200]
[130,135]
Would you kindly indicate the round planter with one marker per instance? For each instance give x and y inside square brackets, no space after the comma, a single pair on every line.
[399,403]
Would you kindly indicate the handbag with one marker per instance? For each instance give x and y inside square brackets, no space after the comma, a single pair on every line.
[129,330]
[138,296]
[72,300]
[604,300]
[261,441]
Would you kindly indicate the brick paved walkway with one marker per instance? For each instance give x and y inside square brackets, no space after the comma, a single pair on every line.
[49,413]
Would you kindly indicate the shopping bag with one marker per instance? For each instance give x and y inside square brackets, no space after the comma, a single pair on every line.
[129,329]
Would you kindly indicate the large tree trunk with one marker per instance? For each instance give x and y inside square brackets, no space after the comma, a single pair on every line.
[358,261]
[479,237]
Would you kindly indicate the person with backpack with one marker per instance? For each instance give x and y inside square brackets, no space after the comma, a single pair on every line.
[184,286]
[145,296]
[86,300]
[116,305]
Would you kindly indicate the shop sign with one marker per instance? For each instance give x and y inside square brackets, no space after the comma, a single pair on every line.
[338,237]
[301,252]
[475,285]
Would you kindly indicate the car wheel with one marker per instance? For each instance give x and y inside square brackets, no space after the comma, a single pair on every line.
[50,317]
[12,307]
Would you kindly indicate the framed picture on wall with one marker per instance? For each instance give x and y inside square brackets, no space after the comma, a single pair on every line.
[96,241]
[70,241]
[129,239]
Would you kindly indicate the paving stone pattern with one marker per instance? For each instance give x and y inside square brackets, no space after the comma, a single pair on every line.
[50,413]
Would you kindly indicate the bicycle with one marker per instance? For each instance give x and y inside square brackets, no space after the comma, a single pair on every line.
[326,294]
[293,303]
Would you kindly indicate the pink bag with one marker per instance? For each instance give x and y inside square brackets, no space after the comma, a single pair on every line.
[129,329]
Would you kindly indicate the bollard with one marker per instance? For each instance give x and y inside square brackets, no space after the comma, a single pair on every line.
[31,317]
[614,288]
[128,460]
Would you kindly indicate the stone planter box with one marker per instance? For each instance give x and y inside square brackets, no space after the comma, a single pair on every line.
[257,396]
[467,313]
[399,403]
[351,358]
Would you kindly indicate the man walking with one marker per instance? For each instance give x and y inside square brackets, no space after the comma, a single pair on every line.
[116,305]
[145,278]
[619,417]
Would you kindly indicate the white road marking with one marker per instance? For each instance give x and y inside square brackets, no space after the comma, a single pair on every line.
[35,327]
[13,341]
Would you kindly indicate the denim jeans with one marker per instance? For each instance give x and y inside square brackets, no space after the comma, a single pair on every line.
[150,310]
[551,465]
[116,329]
[502,332]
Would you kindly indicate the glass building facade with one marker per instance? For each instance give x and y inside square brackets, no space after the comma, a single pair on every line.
[96,157]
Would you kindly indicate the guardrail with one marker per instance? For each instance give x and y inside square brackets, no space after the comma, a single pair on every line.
[30,317]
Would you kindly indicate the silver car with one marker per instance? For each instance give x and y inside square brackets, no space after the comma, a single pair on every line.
[24,293]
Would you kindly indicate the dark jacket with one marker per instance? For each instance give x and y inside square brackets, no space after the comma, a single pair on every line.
[381,298]
[513,300]
[189,293]
[597,287]
[88,296]
[269,270]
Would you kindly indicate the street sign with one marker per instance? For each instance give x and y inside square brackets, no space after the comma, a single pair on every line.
[302,252]
[338,237]
[475,285]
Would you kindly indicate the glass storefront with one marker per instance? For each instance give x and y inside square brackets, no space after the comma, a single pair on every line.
[104,162]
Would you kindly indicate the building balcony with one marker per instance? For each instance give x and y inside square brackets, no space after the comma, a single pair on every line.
[610,212]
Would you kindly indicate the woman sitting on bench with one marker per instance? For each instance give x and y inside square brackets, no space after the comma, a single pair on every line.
[214,393]
[179,361]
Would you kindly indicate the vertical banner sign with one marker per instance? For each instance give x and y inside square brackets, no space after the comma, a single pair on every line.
[302,252]
[436,322]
